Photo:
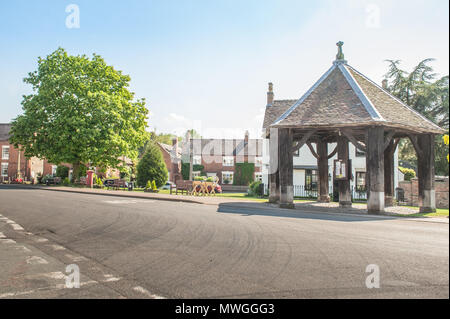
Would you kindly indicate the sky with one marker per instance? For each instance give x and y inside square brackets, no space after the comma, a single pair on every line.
[206,64]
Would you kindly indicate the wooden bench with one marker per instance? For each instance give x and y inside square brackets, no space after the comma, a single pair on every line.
[183,186]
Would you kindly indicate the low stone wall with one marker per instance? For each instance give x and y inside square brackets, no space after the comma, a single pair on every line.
[411,189]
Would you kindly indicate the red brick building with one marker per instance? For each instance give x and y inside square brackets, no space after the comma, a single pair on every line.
[13,163]
[172,159]
[219,156]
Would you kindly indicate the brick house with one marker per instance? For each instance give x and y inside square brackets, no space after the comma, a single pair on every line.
[219,156]
[172,156]
[13,163]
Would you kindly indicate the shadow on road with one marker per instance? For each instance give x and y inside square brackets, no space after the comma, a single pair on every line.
[302,211]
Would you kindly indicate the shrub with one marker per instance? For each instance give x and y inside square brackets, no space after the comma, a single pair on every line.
[125,173]
[199,178]
[255,190]
[210,179]
[62,171]
[39,177]
[98,182]
[148,185]
[409,173]
[243,174]
[154,186]
[152,167]
[45,178]
[66,181]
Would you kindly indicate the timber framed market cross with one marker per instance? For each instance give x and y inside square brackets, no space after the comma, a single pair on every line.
[345,106]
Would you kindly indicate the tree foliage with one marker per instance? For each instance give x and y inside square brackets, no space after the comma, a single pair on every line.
[80,112]
[151,167]
[429,96]
[195,168]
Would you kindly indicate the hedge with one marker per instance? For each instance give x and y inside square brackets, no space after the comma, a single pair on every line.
[243,174]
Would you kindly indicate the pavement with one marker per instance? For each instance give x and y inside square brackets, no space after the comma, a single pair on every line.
[148,248]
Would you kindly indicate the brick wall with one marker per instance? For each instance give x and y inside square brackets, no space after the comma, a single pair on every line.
[411,189]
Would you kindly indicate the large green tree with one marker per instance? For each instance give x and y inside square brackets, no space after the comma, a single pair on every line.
[427,94]
[152,167]
[81,112]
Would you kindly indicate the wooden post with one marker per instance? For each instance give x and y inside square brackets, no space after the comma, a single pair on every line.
[286,164]
[389,174]
[345,197]
[427,195]
[375,169]
[274,177]
[322,164]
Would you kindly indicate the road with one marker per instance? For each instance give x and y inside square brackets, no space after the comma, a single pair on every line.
[136,248]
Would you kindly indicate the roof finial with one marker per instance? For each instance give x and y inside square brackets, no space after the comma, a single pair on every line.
[340,55]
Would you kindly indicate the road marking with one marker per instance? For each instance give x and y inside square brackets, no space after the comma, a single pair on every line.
[24,248]
[41,240]
[15,294]
[110,278]
[34,260]
[7,241]
[76,258]
[13,224]
[57,247]
[54,275]
[146,292]
[17,226]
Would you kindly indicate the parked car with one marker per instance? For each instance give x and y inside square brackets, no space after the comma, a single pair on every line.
[168,185]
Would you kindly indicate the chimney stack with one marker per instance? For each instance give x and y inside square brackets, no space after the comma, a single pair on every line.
[270,95]
[175,146]
[384,84]
[246,137]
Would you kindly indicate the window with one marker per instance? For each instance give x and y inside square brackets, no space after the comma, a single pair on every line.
[4,169]
[360,181]
[258,161]
[5,152]
[197,160]
[297,153]
[196,174]
[258,177]
[54,167]
[228,161]
[359,153]
[227,177]
[311,179]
